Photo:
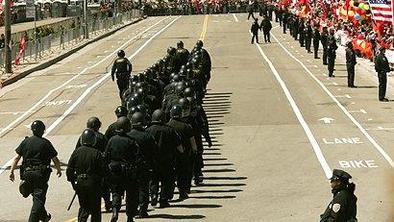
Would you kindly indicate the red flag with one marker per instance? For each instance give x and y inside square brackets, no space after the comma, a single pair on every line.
[22,47]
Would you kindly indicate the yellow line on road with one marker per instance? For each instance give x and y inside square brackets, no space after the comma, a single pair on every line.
[204,28]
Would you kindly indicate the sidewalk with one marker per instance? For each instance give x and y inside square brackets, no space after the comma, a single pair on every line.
[21,27]
[58,52]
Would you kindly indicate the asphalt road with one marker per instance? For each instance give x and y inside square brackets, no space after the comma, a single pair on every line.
[266,104]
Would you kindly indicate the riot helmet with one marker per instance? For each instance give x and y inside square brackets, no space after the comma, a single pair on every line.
[88,138]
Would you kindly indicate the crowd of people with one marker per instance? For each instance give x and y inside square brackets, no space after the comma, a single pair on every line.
[155,145]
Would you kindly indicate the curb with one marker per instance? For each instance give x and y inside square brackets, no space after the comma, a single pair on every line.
[62,56]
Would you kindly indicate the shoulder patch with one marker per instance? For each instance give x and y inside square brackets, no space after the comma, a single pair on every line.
[336,207]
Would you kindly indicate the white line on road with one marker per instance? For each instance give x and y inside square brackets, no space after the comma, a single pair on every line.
[343,96]
[68,111]
[344,110]
[17,120]
[235,18]
[358,111]
[297,112]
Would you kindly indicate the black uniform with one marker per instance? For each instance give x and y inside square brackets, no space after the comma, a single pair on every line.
[324,42]
[85,171]
[101,142]
[122,68]
[255,32]
[182,56]
[342,208]
[308,38]
[110,132]
[284,20]
[331,55]
[266,26]
[301,30]
[250,10]
[123,155]
[296,27]
[37,153]
[382,67]
[316,40]
[147,146]
[350,64]
[167,141]
[184,166]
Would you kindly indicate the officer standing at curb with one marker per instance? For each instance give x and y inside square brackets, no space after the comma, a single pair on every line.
[350,64]
[85,171]
[343,207]
[37,153]
[316,40]
[122,70]
[382,67]
[331,53]
[324,42]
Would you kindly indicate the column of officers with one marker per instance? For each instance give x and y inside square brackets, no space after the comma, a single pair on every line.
[154,146]
[310,33]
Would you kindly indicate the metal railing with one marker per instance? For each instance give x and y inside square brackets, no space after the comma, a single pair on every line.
[65,39]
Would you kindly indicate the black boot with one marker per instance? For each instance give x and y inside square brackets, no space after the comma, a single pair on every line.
[115,215]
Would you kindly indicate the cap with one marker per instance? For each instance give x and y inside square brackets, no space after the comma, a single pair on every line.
[340,175]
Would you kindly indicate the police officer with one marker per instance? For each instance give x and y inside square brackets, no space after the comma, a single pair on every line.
[37,153]
[284,19]
[251,9]
[123,158]
[122,70]
[324,42]
[255,31]
[301,30]
[343,207]
[266,26]
[85,171]
[331,53]
[168,143]
[147,146]
[184,166]
[350,64]
[316,40]
[111,130]
[94,124]
[182,53]
[382,67]
[308,36]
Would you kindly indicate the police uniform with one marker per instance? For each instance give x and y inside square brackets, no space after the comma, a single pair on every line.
[285,18]
[122,68]
[266,26]
[301,30]
[111,131]
[316,40]
[167,141]
[147,146]
[350,64]
[382,67]
[331,55]
[308,37]
[100,145]
[255,32]
[123,155]
[343,207]
[37,153]
[324,42]
[85,171]
[183,162]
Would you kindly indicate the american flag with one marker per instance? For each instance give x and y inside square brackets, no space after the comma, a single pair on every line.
[382,10]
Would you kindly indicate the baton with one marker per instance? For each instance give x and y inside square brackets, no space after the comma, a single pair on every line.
[72,201]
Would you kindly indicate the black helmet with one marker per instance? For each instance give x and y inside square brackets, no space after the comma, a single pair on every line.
[88,138]
[176,111]
[120,111]
[123,125]
[171,51]
[180,45]
[158,116]
[185,104]
[133,101]
[199,44]
[121,53]
[138,119]
[93,123]
[189,92]
[38,128]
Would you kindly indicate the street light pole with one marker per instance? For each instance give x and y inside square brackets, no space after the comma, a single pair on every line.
[85,17]
[7,29]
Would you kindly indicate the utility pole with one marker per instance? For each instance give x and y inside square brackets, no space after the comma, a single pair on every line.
[7,29]
[85,18]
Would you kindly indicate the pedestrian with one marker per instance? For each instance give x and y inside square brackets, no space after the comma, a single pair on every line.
[266,26]
[85,172]
[350,64]
[37,153]
[382,67]
[251,9]
[343,207]
[316,40]
[123,157]
[255,31]
[331,53]
[122,70]
[324,42]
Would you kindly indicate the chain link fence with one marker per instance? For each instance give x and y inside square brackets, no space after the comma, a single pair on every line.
[43,47]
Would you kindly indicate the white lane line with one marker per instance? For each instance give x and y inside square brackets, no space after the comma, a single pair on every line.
[235,18]
[344,110]
[358,111]
[79,100]
[17,120]
[343,96]
[297,112]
